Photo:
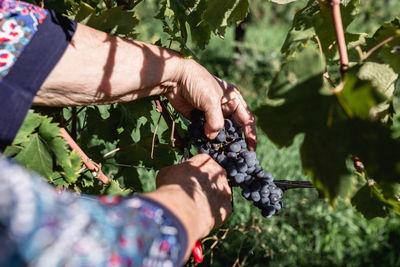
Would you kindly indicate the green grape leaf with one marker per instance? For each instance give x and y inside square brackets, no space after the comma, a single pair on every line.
[75,164]
[129,178]
[390,52]
[381,76]
[35,156]
[58,180]
[115,20]
[113,188]
[367,202]
[30,123]
[49,130]
[371,202]
[356,88]
[220,13]
[12,150]
[372,142]
[323,154]
[200,30]
[60,149]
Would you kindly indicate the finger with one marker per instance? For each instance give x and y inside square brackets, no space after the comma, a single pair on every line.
[235,107]
[214,119]
[249,128]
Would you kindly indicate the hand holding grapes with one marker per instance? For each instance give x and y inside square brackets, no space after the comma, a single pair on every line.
[198,89]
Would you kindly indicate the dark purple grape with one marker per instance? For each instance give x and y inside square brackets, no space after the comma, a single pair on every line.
[234,147]
[277,191]
[255,196]
[231,155]
[268,211]
[246,193]
[265,191]
[221,137]
[222,159]
[265,200]
[243,144]
[257,168]
[239,160]
[274,198]
[250,170]
[277,205]
[239,178]
[232,172]
[242,167]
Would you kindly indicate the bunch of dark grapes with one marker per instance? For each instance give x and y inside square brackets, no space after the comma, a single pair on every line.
[229,149]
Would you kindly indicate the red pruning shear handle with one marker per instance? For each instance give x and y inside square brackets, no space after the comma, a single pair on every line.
[197,252]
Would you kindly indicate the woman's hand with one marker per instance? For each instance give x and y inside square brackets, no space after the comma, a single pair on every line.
[197,88]
[197,192]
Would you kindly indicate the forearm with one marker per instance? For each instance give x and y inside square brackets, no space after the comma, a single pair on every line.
[98,68]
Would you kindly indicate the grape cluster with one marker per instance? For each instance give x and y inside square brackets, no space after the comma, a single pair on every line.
[229,149]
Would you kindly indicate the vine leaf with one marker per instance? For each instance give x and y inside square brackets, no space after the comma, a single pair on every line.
[220,13]
[35,156]
[356,87]
[203,17]
[31,122]
[115,20]
[40,148]
[371,202]
[390,52]
[113,188]
[381,76]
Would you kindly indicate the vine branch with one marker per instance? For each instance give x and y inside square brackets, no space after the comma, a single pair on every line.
[93,167]
[341,41]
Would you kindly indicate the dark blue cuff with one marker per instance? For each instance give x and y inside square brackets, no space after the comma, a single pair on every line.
[26,76]
[182,233]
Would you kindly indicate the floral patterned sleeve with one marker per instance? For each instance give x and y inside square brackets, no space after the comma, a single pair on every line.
[42,227]
[32,40]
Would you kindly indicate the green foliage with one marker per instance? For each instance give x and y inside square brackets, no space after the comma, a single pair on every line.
[337,122]
[114,20]
[201,18]
[39,147]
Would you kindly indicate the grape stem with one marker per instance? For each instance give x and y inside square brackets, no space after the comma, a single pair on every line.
[388,40]
[162,108]
[286,184]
